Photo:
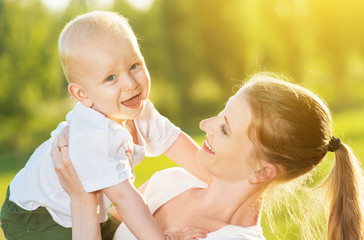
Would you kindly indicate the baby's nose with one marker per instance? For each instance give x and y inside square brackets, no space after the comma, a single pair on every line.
[129,83]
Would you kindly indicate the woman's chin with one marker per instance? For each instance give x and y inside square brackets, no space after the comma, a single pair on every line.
[203,158]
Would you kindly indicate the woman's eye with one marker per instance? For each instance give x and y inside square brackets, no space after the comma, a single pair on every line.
[134,66]
[223,130]
[111,78]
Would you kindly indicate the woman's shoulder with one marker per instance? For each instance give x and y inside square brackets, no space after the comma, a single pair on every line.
[167,184]
[175,173]
[174,177]
[234,232]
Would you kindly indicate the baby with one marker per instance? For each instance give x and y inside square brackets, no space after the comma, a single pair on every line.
[111,128]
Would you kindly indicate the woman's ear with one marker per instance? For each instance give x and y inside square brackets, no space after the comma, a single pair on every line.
[267,172]
[78,93]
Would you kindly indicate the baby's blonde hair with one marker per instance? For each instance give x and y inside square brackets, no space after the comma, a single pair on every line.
[291,128]
[85,26]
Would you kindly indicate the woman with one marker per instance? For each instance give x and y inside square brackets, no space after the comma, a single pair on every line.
[269,133]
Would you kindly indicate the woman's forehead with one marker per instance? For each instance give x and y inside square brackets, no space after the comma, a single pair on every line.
[237,112]
[237,100]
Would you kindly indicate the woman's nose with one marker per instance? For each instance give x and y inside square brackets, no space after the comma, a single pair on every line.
[205,125]
[202,125]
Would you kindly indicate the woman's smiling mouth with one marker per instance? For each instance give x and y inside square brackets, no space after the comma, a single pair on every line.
[207,147]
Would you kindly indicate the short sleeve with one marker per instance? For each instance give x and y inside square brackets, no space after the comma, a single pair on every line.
[159,133]
[99,157]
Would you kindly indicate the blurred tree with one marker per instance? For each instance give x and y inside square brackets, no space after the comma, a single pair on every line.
[31,78]
[196,52]
[195,56]
[339,30]
[74,8]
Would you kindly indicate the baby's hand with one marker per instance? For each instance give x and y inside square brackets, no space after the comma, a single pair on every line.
[188,233]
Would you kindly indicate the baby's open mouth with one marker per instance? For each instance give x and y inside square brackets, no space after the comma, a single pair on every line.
[133,102]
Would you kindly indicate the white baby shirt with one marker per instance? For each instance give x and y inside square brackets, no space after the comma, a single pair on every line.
[97,148]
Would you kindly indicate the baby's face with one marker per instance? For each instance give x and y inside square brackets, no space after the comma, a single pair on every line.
[114,76]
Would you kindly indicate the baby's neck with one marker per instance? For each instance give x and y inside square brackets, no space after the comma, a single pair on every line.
[122,122]
[130,126]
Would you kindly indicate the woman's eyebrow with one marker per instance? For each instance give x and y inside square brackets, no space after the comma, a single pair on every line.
[227,123]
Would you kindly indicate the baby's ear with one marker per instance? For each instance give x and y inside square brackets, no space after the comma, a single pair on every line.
[78,93]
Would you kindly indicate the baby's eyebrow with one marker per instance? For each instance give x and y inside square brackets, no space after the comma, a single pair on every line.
[227,123]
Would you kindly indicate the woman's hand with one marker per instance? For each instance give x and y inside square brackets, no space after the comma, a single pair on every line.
[188,233]
[66,173]
[84,206]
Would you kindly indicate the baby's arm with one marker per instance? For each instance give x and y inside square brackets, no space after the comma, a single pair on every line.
[132,208]
[183,152]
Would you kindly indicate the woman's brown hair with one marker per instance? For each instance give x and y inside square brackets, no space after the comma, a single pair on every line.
[293,129]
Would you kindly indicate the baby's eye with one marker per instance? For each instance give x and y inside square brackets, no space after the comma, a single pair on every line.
[134,66]
[111,78]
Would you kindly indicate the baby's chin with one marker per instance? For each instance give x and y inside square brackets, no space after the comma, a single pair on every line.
[132,113]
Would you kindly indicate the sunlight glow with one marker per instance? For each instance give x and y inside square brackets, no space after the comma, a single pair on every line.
[104,4]
[60,5]
[56,4]
[143,5]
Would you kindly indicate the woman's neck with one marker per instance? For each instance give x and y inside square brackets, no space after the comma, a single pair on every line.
[236,203]
[212,208]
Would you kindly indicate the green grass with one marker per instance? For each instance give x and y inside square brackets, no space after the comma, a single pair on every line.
[348,127]
[148,166]
[5,179]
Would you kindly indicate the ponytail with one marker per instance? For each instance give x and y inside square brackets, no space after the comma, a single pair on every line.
[344,184]
[291,128]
